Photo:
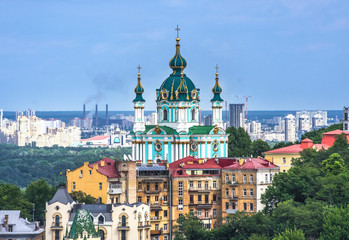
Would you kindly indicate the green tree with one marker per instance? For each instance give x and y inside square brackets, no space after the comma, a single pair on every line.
[336,223]
[239,143]
[289,234]
[82,197]
[316,135]
[282,144]
[190,228]
[259,147]
[38,193]
[334,190]
[333,165]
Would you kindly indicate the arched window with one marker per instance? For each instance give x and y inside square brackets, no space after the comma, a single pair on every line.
[57,220]
[123,221]
[100,220]
[165,114]
[193,114]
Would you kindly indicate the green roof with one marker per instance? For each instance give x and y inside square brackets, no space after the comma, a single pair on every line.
[168,130]
[82,222]
[200,130]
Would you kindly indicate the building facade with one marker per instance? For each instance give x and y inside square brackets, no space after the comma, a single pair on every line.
[236,115]
[66,219]
[346,119]
[178,133]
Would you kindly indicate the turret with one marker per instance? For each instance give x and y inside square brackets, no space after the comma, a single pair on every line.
[217,103]
[139,123]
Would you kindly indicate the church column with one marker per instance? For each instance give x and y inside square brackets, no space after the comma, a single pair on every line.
[166,152]
[180,150]
[143,151]
[133,152]
[150,148]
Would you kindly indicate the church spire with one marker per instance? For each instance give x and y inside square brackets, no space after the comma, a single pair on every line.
[217,90]
[178,62]
[139,90]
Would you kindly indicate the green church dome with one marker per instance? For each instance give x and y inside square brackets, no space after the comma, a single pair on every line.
[217,90]
[139,90]
[178,87]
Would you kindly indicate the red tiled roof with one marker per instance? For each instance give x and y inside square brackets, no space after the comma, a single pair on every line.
[95,138]
[252,163]
[335,132]
[296,148]
[188,163]
[306,140]
[109,168]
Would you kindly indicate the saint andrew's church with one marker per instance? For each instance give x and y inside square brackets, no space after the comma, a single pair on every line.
[178,133]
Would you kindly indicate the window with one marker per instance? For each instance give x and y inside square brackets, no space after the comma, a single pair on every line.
[283,170]
[245,206]
[245,192]
[199,184]
[283,160]
[165,227]
[57,220]
[165,237]
[214,184]
[271,177]
[199,213]
[251,207]
[226,205]
[226,191]
[123,221]
[266,178]
[214,212]
[233,193]
[91,174]
[245,178]
[199,198]
[193,114]
[206,213]
[180,215]
[139,198]
[214,197]
[180,189]
[123,235]
[165,114]
[157,226]
[251,178]
[191,184]
[234,205]
[180,204]
[80,173]
[156,198]
[165,198]
[139,185]
[207,225]
[165,185]
[226,177]
[99,200]
[251,192]
[233,178]
[101,234]
[148,200]
[206,198]
[206,185]
[73,186]
[156,186]
[148,187]
[100,186]
[165,213]
[100,220]
[191,199]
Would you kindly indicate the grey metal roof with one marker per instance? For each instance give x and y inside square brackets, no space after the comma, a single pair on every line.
[94,209]
[20,225]
[153,167]
[61,196]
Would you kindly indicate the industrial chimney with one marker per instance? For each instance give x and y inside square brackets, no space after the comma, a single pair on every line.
[106,114]
[84,112]
[96,122]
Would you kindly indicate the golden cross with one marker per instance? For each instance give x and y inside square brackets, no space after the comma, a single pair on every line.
[177,29]
[217,68]
[139,68]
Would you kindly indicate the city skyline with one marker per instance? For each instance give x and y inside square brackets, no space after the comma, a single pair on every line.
[286,54]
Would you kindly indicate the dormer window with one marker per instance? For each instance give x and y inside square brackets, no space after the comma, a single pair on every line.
[100,220]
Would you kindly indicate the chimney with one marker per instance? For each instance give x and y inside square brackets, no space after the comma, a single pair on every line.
[106,114]
[5,221]
[84,112]
[96,121]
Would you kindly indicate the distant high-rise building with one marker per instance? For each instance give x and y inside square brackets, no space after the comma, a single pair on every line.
[346,119]
[29,112]
[236,115]
[290,128]
[208,120]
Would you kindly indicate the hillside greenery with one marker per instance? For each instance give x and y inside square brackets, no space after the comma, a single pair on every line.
[23,165]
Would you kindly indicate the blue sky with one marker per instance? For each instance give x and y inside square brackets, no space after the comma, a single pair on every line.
[287,54]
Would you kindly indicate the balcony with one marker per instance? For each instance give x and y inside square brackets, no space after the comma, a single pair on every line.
[152,191]
[201,190]
[155,232]
[233,184]
[233,198]
[155,219]
[115,188]
[204,206]
[155,206]
[231,211]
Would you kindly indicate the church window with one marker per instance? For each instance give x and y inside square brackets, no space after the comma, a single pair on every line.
[101,234]
[57,234]
[193,115]
[123,221]
[57,220]
[165,115]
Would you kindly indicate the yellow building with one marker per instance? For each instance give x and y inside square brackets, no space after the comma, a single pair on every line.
[107,180]
[282,157]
